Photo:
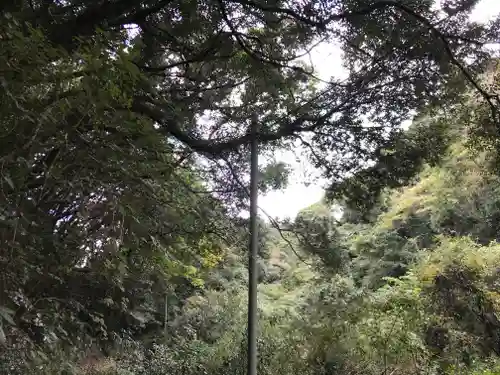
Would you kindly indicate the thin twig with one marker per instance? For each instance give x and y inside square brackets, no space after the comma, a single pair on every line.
[271,220]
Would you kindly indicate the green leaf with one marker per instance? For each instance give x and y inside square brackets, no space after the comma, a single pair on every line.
[3,339]
[7,314]
[9,181]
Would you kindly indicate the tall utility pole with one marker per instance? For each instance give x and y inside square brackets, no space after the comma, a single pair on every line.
[252,256]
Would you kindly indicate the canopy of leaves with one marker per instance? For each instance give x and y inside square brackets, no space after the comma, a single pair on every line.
[123,165]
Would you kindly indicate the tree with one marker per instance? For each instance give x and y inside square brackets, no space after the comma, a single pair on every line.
[98,214]
[318,235]
[199,52]
[123,159]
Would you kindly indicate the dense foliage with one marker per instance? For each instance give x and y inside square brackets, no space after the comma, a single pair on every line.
[123,171]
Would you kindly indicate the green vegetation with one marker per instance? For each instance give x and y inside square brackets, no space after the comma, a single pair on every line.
[123,168]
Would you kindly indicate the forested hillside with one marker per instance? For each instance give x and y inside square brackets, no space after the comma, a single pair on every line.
[124,170]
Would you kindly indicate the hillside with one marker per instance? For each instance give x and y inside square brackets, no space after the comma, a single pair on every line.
[126,136]
[414,290]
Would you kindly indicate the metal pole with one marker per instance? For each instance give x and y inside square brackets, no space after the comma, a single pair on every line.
[252,257]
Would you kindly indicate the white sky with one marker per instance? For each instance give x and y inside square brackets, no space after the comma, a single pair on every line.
[327,61]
